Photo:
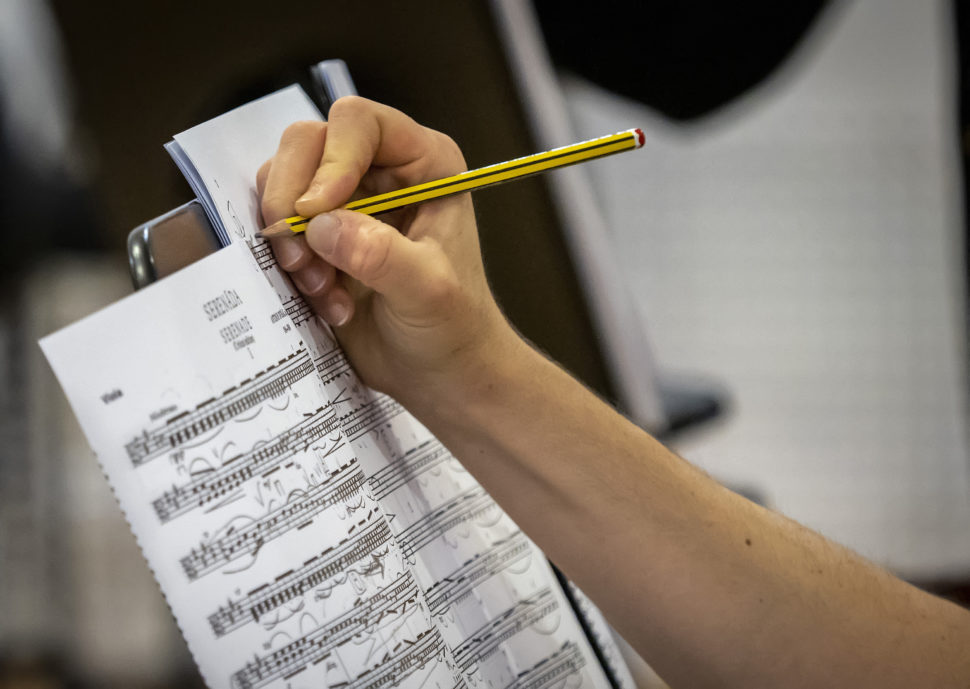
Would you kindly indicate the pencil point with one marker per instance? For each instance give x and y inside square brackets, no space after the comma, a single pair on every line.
[279,228]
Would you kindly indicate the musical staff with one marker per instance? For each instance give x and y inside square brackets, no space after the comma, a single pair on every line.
[298,310]
[465,507]
[363,618]
[263,253]
[248,540]
[458,584]
[369,416]
[332,365]
[216,411]
[415,462]
[294,583]
[485,640]
[548,671]
[213,484]
[411,656]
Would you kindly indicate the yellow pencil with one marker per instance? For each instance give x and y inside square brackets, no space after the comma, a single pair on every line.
[477,179]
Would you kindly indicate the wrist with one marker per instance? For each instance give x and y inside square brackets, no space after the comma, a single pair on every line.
[476,377]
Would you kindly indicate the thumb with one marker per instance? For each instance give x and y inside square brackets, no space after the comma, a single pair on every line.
[409,274]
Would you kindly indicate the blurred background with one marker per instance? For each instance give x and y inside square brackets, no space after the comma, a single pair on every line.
[791,243]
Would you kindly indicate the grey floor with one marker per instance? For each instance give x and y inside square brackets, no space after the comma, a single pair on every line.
[804,248]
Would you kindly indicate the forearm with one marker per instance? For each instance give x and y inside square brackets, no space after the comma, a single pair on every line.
[712,589]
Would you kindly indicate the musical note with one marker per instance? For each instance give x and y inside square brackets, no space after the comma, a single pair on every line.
[549,671]
[298,310]
[393,600]
[465,507]
[263,253]
[367,416]
[333,365]
[235,471]
[455,586]
[295,583]
[486,640]
[214,412]
[416,461]
[248,540]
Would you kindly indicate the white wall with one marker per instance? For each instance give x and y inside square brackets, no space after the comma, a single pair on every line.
[805,247]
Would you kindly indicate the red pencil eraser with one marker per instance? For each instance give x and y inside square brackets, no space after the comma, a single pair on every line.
[641,139]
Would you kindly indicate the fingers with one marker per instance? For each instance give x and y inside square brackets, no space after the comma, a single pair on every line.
[362,134]
[279,182]
[315,279]
[261,176]
[317,168]
[335,305]
[320,284]
[414,277]
[283,179]
[292,169]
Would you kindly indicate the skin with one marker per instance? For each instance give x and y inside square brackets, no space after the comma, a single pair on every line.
[711,589]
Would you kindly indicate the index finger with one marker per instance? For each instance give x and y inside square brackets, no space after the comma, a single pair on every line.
[362,134]
[291,169]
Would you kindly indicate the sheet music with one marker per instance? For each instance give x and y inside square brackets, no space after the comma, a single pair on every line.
[371,555]
[453,534]
[202,403]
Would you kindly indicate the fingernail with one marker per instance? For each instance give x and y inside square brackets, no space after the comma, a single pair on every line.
[323,232]
[289,251]
[313,279]
[337,313]
[311,193]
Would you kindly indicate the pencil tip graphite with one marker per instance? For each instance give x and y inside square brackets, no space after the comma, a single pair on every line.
[280,228]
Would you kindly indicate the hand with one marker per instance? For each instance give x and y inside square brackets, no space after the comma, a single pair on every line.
[405,292]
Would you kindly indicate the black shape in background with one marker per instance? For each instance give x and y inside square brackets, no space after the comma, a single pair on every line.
[685,58]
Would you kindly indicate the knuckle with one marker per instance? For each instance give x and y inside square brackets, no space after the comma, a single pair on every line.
[370,259]
[348,106]
[296,133]
[450,151]
[442,288]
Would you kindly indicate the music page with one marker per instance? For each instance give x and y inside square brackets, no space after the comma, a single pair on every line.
[499,605]
[203,405]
